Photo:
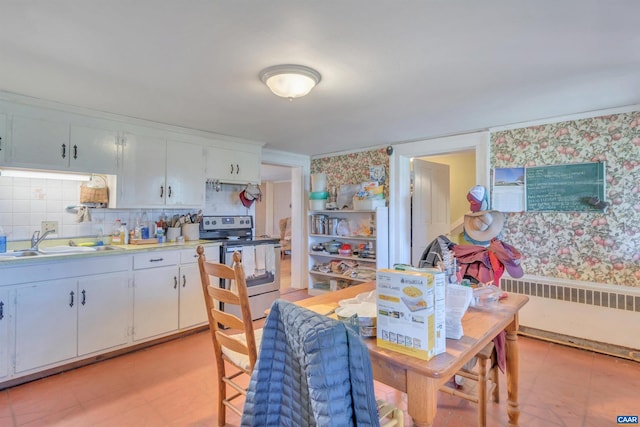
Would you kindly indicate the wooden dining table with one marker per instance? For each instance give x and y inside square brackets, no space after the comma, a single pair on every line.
[421,379]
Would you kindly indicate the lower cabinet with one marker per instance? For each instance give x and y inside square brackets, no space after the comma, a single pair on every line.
[69,318]
[167,292]
[4,333]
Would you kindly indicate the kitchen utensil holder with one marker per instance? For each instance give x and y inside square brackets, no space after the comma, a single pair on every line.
[191,231]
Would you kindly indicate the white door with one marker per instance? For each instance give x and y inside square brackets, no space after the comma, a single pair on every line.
[103,311]
[4,333]
[46,318]
[155,302]
[93,150]
[40,143]
[430,208]
[141,181]
[192,308]
[185,174]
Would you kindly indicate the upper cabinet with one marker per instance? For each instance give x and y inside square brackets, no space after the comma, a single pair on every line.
[45,144]
[233,166]
[3,137]
[155,172]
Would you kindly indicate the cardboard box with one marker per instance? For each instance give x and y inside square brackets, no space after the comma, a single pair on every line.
[368,204]
[411,320]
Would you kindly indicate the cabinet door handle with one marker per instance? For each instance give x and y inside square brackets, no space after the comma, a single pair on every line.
[184,281]
[169,189]
[0,150]
[156,259]
[71,294]
[237,169]
[1,310]
[64,151]
[231,164]
[84,297]
[75,151]
[175,282]
[161,191]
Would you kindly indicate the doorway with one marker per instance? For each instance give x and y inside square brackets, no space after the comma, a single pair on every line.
[400,171]
[274,211]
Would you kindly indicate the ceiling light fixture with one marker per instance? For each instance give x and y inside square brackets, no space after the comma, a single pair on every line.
[290,81]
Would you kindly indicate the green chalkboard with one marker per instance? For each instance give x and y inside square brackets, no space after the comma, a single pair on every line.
[573,187]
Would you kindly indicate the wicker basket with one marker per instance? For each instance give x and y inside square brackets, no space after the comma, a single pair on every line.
[94,194]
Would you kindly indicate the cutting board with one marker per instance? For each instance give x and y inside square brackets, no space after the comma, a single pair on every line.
[143,241]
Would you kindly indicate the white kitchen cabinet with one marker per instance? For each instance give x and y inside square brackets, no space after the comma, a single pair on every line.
[46,323]
[104,312]
[39,143]
[47,144]
[233,166]
[367,234]
[4,332]
[3,137]
[155,172]
[168,292]
[93,150]
[70,317]
[51,323]
[185,179]
[192,307]
[155,294]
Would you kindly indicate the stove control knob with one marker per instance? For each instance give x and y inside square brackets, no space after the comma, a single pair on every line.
[214,222]
[206,222]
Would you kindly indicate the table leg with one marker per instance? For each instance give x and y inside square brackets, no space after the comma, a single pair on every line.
[422,399]
[512,372]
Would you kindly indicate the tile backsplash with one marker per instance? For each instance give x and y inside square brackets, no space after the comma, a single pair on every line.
[26,202]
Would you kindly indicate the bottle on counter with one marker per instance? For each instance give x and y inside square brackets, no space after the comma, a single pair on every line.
[3,241]
[144,226]
[116,236]
[125,233]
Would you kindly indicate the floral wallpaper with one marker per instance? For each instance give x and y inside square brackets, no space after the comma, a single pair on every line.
[602,247]
[352,168]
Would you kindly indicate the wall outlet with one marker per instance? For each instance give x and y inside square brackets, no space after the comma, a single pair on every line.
[49,225]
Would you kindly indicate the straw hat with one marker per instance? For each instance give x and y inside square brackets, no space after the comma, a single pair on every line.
[481,227]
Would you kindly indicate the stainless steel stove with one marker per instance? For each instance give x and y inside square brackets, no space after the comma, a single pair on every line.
[261,258]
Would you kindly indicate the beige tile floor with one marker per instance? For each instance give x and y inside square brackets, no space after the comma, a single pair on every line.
[174,384]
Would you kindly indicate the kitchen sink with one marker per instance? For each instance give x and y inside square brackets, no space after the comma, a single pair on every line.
[20,253]
[108,248]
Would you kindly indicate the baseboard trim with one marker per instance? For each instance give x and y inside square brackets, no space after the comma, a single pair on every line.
[581,343]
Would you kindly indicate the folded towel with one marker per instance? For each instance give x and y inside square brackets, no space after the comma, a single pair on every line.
[249,261]
[83,214]
[270,259]
[260,259]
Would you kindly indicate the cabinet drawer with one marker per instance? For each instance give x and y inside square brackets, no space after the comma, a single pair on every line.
[190,256]
[155,259]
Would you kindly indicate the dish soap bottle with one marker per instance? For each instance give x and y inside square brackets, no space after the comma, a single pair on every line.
[116,236]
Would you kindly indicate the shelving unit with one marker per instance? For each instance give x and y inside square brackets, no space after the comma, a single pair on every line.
[329,272]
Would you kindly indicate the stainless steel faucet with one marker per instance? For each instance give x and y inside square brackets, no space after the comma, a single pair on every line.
[36,238]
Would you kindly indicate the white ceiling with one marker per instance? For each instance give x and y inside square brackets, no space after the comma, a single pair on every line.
[392,71]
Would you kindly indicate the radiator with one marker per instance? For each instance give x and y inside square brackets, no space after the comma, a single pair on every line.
[596,316]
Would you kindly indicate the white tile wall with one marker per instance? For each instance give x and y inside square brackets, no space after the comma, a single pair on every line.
[25,203]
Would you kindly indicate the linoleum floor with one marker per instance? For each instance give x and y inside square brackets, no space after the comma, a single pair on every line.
[174,384]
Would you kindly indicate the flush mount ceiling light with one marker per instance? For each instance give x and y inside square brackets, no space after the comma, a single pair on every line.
[290,81]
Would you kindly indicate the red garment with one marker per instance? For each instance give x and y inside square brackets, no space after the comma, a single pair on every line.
[473,261]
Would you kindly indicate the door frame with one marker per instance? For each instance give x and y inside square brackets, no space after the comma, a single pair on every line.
[300,183]
[400,180]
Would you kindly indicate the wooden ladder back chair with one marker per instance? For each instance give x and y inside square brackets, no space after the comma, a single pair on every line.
[481,376]
[234,340]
